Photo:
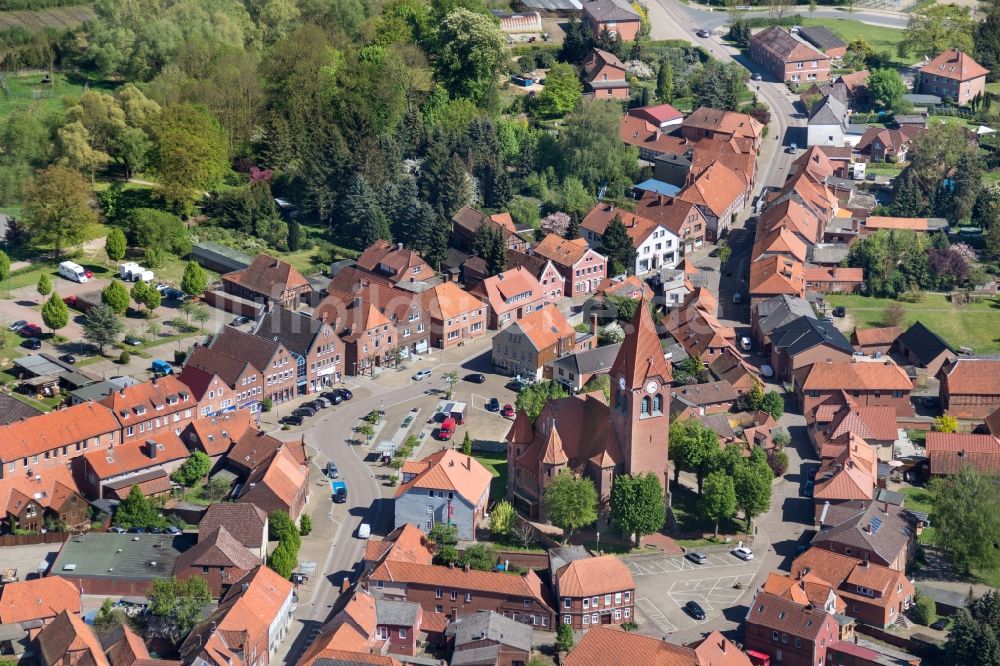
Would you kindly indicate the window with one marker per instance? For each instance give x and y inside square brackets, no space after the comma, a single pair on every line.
[644,409]
[607,599]
[586,603]
[628,596]
[618,598]
[383,633]
[454,595]
[567,603]
[627,613]
[657,404]
[438,593]
[594,619]
[586,620]
[468,597]
[618,614]
[402,632]
[567,619]
[595,602]
[774,635]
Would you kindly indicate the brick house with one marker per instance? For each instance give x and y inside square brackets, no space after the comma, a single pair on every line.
[212,395]
[280,484]
[706,123]
[788,59]
[888,145]
[552,281]
[68,641]
[468,220]
[776,276]
[773,313]
[528,345]
[313,344]
[955,76]
[55,438]
[39,600]
[868,383]
[163,404]
[370,339]
[805,341]
[611,645]
[615,17]
[146,462]
[594,591]
[683,218]
[708,398]
[495,640]
[581,266]
[924,349]
[948,452]
[446,486]
[970,387]
[456,316]
[874,340]
[656,246]
[247,523]
[876,532]
[457,592]
[604,75]
[790,633]
[366,625]
[395,263]
[833,279]
[268,280]
[218,558]
[510,296]
[49,494]
[720,194]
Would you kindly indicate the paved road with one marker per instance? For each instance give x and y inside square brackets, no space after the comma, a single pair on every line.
[711,20]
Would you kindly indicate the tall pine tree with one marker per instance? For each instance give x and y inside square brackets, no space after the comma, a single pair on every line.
[366,222]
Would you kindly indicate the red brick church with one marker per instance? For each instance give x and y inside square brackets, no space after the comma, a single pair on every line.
[586,435]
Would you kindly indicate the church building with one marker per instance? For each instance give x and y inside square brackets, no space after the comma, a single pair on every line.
[591,438]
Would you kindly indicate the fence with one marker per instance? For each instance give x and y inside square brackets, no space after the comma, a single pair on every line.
[33,539]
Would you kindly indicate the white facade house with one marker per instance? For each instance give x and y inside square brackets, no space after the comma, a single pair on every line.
[660,248]
[828,123]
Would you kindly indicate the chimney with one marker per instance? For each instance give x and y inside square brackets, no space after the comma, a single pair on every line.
[345,584]
[465,568]
[154,381]
[593,324]
[121,391]
[399,246]
[151,448]
[660,199]
[356,302]
[468,463]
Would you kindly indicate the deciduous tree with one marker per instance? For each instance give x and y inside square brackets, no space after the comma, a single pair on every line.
[966,522]
[502,518]
[534,398]
[471,53]
[638,506]
[887,88]
[115,244]
[194,281]
[934,28]
[116,296]
[44,286]
[189,154]
[59,210]
[752,481]
[55,314]
[194,469]
[562,92]
[570,502]
[693,448]
[719,500]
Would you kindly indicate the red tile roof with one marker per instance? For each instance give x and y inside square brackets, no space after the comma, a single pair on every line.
[498,289]
[38,599]
[217,434]
[967,376]
[560,251]
[956,65]
[68,639]
[545,327]
[217,548]
[245,522]
[136,455]
[813,274]
[865,337]
[949,451]
[525,586]
[268,276]
[643,133]
[851,475]
[159,397]
[848,376]
[403,264]
[845,573]
[780,43]
[777,275]
[449,301]
[284,476]
[659,113]
[640,357]
[784,615]
[52,430]
[717,189]
[724,122]
[601,215]
[593,576]
[449,470]
[48,485]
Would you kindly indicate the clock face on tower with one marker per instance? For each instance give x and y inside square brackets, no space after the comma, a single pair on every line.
[621,383]
[651,387]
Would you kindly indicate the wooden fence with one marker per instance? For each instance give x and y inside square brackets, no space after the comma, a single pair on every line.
[33,539]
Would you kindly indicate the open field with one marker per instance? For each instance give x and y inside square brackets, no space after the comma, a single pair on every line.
[880,38]
[498,467]
[28,92]
[59,18]
[976,325]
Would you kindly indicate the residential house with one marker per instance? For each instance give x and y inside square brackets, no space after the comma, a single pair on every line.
[833,422]
[875,340]
[280,484]
[851,474]
[312,343]
[544,270]
[709,398]
[698,330]
[216,435]
[12,409]
[611,645]
[38,602]
[804,341]
[404,544]
[446,486]
[54,438]
[510,296]
[868,653]
[251,621]
[459,592]
[683,219]
[162,404]
[868,383]
[828,122]
[395,263]
[723,126]
[147,463]
[662,116]
[594,591]
[616,17]
[45,495]
[247,523]
[970,387]
[603,308]
[823,39]
[919,224]
[729,366]
[948,452]
[924,349]
[776,276]
[268,280]
[789,632]
[400,304]
[873,594]
[858,95]
[489,639]
[370,339]
[574,370]
[788,59]
[953,75]
[255,448]
[582,267]
[877,532]
[124,647]
[528,345]
[654,141]
[468,220]
[773,313]
[604,75]
[805,588]
[456,317]
[720,194]
[69,641]
[218,558]
[656,246]
[209,391]
[888,145]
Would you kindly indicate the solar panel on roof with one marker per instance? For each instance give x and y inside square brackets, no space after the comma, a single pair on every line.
[875,524]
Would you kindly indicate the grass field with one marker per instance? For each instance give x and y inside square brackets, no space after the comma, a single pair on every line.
[28,92]
[58,18]
[880,38]
[919,499]
[498,468]
[976,325]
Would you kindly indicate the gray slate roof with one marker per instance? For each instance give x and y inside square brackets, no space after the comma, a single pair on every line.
[610,10]
[831,254]
[870,528]
[396,613]
[589,361]
[923,343]
[12,409]
[491,626]
[828,111]
[821,37]
[295,330]
[780,310]
[805,333]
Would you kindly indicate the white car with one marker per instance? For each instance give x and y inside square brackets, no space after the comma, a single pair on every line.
[743,553]
[364,531]
[745,343]
[421,374]
[766,371]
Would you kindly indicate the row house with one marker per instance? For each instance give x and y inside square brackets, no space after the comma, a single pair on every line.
[527,346]
[720,194]
[163,404]
[594,591]
[869,383]
[706,123]
[370,339]
[683,218]
[776,276]
[510,296]
[773,313]
[611,645]
[47,494]
[970,387]
[313,344]
[581,266]
[789,632]
[146,463]
[949,452]
[805,341]
[55,438]
[656,246]
[281,483]
[38,601]
[788,59]
[456,316]
[209,391]
[218,558]
[468,220]
[269,281]
[552,281]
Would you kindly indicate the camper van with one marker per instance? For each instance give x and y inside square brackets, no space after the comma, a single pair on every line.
[133,272]
[72,271]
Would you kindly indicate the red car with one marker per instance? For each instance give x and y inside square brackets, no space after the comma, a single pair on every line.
[31,331]
[508,411]
[89,273]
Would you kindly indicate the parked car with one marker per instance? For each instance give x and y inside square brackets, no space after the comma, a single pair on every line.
[173,530]
[323,401]
[697,558]
[31,331]
[508,411]
[339,489]
[68,358]
[743,553]
[756,77]
[161,367]
[162,287]
[174,294]
[793,148]
[745,343]
[940,624]
[17,325]
[344,393]
[315,405]
[493,405]
[116,529]
[694,610]
[239,321]
[421,375]
[364,531]
[136,530]
[766,371]
[153,529]
[292,419]
[304,411]
[703,33]
[714,252]
[476,378]
[32,343]
[334,397]
[132,340]
[331,470]
[839,311]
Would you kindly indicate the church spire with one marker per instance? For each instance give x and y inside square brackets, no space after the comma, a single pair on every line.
[640,356]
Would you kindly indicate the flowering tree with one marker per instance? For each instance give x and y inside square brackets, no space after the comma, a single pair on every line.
[964,250]
[556,223]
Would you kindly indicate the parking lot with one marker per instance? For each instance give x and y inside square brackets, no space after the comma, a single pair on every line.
[664,584]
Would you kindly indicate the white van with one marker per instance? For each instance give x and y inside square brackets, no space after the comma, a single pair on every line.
[72,271]
[133,272]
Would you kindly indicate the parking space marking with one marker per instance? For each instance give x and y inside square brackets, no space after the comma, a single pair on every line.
[709,592]
[654,615]
[649,567]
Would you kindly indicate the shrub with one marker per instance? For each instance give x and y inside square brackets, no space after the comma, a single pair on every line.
[564,638]
[283,560]
[480,556]
[124,357]
[305,525]
[778,462]
[266,404]
[924,611]
[180,356]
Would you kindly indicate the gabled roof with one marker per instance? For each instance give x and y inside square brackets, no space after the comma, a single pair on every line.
[892,140]
[217,434]
[875,526]
[217,548]
[560,251]
[610,10]
[449,470]
[211,362]
[603,645]
[283,476]
[124,647]
[640,357]
[498,289]
[590,361]
[671,212]
[50,486]
[394,261]
[637,227]
[923,343]
[976,376]
[447,301]
[12,409]
[197,380]
[52,430]
[524,586]
[781,44]
[658,113]
[805,333]
[777,275]
[950,451]
[594,576]
[38,599]
[717,188]
[852,475]
[779,310]
[956,65]
[68,639]
[845,573]
[244,522]
[269,276]
[866,337]
[725,122]
[158,396]
[787,616]
[848,376]
[490,626]
[237,344]
[136,455]
[297,331]
[828,111]
[821,37]
[710,393]
[806,589]
[404,544]
[253,448]
[869,423]
[544,328]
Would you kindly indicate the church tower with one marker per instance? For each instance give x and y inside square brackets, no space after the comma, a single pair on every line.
[640,398]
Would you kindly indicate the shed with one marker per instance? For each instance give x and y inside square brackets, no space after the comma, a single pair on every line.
[219,258]
[823,39]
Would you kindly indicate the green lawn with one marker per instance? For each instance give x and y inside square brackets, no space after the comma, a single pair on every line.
[884,168]
[880,38]
[685,507]
[498,467]
[28,92]
[976,325]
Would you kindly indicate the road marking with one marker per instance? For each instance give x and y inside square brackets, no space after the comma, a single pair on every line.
[655,615]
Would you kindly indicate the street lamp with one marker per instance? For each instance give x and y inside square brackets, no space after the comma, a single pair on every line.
[598,542]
